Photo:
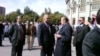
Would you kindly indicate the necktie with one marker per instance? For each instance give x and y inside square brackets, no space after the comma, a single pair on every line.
[20,32]
[48,27]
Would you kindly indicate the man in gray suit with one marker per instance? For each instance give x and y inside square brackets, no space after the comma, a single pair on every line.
[63,46]
[17,33]
[91,43]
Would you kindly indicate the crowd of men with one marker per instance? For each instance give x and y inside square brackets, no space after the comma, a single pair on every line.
[86,36]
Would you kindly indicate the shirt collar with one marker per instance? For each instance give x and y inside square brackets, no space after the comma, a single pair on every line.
[81,25]
[18,24]
[98,26]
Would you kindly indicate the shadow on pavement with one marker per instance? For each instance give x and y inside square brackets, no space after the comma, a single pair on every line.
[34,48]
[6,46]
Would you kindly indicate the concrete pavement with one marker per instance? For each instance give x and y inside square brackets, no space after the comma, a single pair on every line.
[6,49]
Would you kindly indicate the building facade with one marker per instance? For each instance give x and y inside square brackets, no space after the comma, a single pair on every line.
[81,8]
[2,10]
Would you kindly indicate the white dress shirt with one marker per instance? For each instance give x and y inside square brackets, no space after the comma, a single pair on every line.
[98,26]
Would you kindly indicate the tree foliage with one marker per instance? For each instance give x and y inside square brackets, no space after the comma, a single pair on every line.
[18,12]
[12,16]
[31,15]
[1,17]
[27,15]
[54,17]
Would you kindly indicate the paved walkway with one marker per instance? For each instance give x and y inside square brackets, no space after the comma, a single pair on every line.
[6,49]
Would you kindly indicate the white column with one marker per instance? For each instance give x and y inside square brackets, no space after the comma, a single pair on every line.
[71,12]
[71,19]
[88,9]
[77,13]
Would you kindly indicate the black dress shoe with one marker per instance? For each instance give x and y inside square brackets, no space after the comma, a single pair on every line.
[1,45]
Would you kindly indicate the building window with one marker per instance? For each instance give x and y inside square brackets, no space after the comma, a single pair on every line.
[95,4]
[73,21]
[82,5]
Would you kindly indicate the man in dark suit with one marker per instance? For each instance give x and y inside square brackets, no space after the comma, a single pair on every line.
[80,33]
[1,32]
[17,34]
[45,36]
[63,46]
[91,43]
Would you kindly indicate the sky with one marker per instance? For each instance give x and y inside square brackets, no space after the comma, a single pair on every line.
[35,5]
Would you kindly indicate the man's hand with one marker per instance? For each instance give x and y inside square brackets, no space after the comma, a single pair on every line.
[57,36]
[88,23]
[41,47]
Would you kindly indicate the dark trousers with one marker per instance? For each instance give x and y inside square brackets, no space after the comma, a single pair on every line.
[0,40]
[47,52]
[79,49]
[17,50]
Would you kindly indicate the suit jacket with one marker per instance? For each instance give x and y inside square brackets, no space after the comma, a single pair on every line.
[91,43]
[80,34]
[63,46]
[1,29]
[14,34]
[32,30]
[46,36]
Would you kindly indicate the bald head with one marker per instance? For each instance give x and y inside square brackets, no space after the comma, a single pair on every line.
[46,18]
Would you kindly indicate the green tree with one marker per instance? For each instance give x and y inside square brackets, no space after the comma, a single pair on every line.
[54,17]
[40,19]
[30,15]
[1,17]
[26,17]
[19,12]
[12,16]
[27,10]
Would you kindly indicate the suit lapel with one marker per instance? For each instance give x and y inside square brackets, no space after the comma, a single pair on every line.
[47,27]
[79,28]
[16,26]
[61,30]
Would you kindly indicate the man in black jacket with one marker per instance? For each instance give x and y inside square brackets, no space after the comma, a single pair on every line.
[91,43]
[80,33]
[1,32]
[45,36]
[17,34]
